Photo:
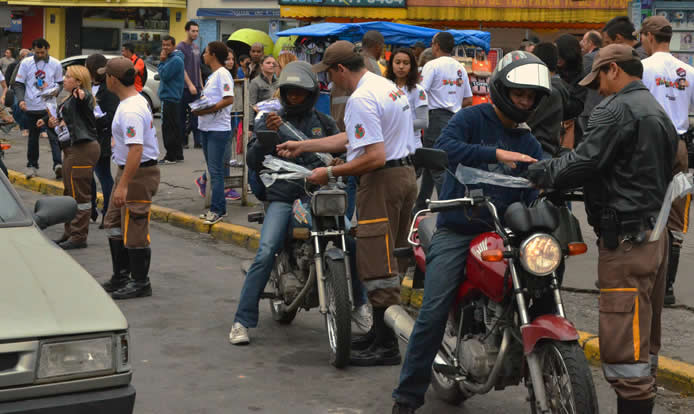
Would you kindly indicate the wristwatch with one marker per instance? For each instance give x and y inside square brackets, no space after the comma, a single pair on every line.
[330,173]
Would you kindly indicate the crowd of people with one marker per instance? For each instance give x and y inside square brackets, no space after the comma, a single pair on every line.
[607,112]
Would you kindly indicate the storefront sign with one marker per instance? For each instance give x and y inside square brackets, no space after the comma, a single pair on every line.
[529,4]
[345,3]
[206,12]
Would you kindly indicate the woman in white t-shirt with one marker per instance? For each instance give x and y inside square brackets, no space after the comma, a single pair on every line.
[214,124]
[402,70]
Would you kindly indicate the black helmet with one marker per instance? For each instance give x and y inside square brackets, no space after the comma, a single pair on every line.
[298,74]
[518,70]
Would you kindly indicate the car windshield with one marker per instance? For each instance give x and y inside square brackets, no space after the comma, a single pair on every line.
[11,213]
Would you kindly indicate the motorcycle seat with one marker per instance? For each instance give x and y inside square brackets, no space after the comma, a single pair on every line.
[426,230]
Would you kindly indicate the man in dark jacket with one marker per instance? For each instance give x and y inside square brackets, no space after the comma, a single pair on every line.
[625,173]
[298,119]
[591,43]
[172,80]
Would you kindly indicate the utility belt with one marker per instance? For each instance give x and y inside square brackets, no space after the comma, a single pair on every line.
[615,228]
[149,163]
[402,162]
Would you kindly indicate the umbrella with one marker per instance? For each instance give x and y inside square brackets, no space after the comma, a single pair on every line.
[241,40]
[283,42]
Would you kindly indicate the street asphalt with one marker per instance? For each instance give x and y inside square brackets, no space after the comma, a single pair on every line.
[184,363]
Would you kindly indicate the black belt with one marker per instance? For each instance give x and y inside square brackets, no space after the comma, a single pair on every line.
[149,163]
[402,162]
[441,109]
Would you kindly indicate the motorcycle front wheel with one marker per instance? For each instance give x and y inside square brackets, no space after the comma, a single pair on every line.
[568,379]
[338,319]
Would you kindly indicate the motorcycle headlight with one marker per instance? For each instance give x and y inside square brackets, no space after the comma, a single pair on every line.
[326,203]
[85,357]
[540,254]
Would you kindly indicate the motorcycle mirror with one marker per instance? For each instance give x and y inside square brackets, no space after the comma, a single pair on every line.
[432,159]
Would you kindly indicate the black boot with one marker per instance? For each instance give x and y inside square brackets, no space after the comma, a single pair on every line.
[673,263]
[400,408]
[384,350]
[635,406]
[139,285]
[121,266]
[362,342]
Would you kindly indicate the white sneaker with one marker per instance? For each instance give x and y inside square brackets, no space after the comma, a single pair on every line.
[363,317]
[31,172]
[238,335]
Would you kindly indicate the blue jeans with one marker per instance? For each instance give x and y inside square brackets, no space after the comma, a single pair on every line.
[278,221]
[19,116]
[445,260]
[213,146]
[102,170]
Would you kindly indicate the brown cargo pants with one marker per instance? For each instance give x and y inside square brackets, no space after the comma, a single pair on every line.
[678,221]
[632,290]
[78,171]
[385,199]
[131,222]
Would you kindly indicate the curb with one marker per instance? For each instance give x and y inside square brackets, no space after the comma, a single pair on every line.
[674,375]
[232,233]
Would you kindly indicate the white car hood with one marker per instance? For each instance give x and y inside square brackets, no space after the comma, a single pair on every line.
[44,292]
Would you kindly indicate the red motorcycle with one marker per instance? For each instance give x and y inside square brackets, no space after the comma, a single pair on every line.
[508,323]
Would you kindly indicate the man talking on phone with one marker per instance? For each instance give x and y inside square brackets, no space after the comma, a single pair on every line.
[297,119]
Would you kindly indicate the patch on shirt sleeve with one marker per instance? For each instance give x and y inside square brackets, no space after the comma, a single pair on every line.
[226,87]
[316,132]
[130,132]
[422,96]
[359,131]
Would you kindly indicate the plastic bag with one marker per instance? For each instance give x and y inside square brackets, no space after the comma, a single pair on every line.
[200,104]
[467,175]
[289,129]
[283,170]
[680,186]
[49,93]
[52,108]
[269,105]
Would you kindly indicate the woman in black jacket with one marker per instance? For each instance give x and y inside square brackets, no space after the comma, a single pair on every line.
[105,109]
[76,128]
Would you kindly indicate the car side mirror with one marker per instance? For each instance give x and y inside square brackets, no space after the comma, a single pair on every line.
[433,159]
[54,210]
[156,77]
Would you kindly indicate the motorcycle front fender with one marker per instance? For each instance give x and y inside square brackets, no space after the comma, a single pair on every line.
[547,327]
[335,254]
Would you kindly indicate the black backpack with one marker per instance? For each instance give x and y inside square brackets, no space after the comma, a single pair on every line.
[144,72]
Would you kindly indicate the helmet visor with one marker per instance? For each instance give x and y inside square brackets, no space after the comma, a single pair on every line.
[529,76]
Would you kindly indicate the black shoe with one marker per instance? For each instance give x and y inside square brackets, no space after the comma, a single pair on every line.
[363,342]
[70,245]
[62,239]
[635,406]
[197,146]
[121,266]
[669,295]
[400,408]
[377,355]
[95,215]
[132,290]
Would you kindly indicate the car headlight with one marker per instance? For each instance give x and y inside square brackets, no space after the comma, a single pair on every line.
[83,357]
[540,254]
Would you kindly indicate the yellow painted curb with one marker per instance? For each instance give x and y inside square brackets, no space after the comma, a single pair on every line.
[674,375]
[243,236]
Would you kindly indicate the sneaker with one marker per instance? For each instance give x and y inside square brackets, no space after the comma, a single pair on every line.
[239,335]
[362,317]
[58,170]
[164,161]
[31,172]
[202,185]
[231,194]
[213,218]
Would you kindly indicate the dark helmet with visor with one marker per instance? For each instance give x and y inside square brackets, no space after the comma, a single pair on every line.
[519,70]
[299,75]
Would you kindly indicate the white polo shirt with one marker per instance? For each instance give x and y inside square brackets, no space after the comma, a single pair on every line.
[30,73]
[670,81]
[133,124]
[219,85]
[417,97]
[446,83]
[376,112]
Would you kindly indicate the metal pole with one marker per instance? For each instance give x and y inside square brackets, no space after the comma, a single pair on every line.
[246,127]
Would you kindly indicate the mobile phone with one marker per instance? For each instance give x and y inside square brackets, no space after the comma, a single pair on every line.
[268,138]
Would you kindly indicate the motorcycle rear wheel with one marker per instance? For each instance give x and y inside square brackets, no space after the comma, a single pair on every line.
[338,319]
[568,379]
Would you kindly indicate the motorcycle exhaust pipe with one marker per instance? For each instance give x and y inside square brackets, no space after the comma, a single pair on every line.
[400,321]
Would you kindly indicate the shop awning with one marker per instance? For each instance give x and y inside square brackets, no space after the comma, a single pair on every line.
[100,3]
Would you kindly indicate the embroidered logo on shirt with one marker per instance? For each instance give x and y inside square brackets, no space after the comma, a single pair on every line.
[359,131]
[681,72]
[396,94]
[226,87]
[680,84]
[422,96]
[316,132]
[130,132]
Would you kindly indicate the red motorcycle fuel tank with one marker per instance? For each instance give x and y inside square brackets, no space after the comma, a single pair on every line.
[487,277]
